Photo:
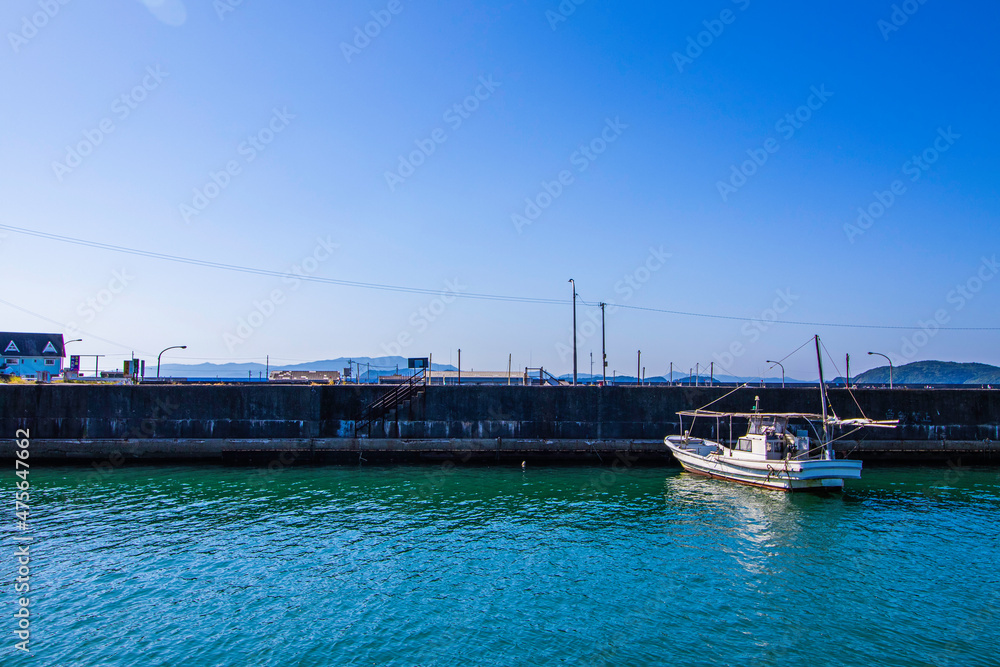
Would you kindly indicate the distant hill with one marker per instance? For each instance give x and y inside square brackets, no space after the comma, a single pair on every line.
[931,372]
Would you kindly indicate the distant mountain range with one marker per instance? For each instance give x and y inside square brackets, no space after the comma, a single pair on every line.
[370,367]
[683,379]
[931,372]
[389,365]
[916,373]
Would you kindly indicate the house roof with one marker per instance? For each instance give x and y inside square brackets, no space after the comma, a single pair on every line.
[31,344]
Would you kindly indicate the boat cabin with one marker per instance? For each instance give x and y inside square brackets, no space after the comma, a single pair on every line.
[768,437]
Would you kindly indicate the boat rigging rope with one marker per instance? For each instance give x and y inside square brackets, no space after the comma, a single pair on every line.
[747,384]
[847,381]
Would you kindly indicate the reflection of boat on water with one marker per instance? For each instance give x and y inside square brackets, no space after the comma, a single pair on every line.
[771,454]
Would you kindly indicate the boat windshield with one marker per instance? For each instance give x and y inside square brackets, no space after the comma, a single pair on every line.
[771,426]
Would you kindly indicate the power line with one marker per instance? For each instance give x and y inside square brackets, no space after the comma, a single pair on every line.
[420,290]
[798,323]
[63,326]
[269,272]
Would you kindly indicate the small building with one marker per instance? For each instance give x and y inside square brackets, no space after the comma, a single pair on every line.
[331,377]
[34,356]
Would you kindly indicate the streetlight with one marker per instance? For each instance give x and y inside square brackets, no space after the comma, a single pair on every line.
[782,371]
[574,330]
[604,350]
[890,365]
[174,347]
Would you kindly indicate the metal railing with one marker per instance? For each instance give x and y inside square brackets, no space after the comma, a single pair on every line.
[391,400]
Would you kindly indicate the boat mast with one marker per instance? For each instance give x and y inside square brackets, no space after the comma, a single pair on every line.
[822,392]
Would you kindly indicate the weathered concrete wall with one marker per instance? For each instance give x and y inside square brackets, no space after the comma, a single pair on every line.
[197,421]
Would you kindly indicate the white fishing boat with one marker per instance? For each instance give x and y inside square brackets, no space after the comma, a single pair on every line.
[776,452]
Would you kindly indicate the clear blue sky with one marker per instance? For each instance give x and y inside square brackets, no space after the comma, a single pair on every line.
[183,85]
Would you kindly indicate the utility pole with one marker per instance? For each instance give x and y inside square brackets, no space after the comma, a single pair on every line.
[604,351]
[574,333]
[848,378]
[591,364]
[711,377]
[459,365]
[638,365]
[671,374]
[697,372]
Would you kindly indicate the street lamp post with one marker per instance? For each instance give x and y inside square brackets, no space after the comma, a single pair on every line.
[604,350]
[574,330]
[782,371]
[160,355]
[879,354]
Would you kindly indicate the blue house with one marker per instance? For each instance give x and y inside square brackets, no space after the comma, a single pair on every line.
[31,354]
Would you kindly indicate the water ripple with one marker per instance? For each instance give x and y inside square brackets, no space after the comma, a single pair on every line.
[318,566]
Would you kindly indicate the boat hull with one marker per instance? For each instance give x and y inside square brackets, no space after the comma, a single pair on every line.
[781,475]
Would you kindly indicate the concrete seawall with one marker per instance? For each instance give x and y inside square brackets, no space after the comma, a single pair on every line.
[474,424]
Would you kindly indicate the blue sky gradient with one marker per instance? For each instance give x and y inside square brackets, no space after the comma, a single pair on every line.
[203,81]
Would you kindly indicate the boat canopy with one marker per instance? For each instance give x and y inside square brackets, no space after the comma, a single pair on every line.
[809,416]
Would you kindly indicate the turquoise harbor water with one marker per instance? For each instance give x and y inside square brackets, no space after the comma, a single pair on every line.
[579,566]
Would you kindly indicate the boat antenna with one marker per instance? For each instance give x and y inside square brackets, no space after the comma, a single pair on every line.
[822,392]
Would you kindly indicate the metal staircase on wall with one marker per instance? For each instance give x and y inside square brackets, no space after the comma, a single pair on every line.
[390,401]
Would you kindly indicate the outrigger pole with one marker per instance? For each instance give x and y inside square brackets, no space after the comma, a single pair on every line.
[822,392]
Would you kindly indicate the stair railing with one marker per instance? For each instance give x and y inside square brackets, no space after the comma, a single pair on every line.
[390,400]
